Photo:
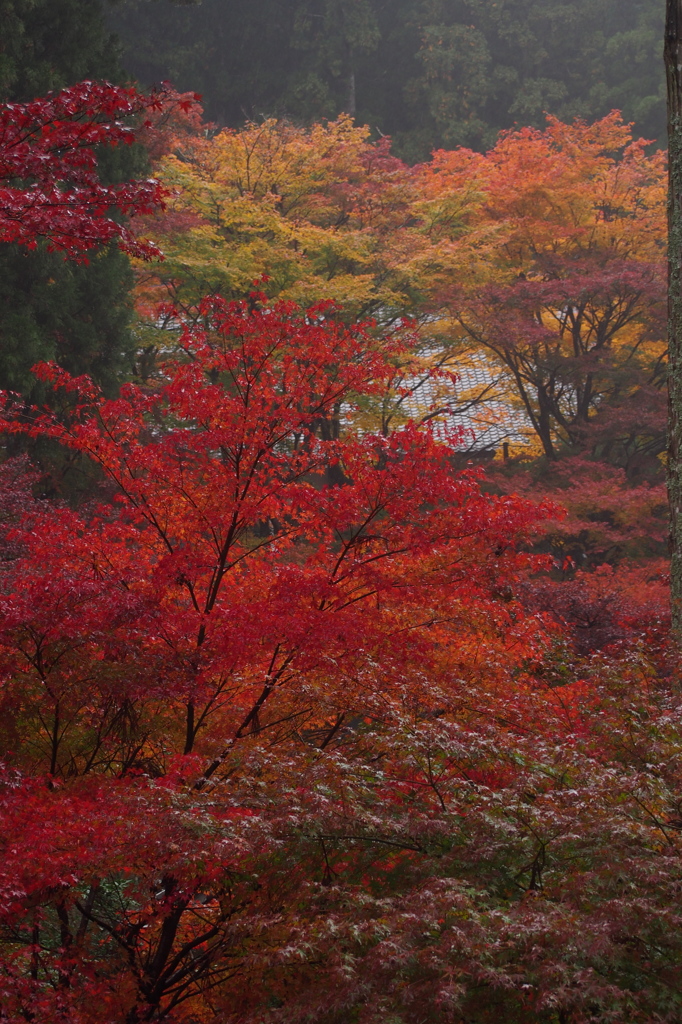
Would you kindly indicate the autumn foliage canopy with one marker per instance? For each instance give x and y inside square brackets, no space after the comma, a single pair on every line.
[286,733]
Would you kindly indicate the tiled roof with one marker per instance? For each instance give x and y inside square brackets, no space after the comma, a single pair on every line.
[479,401]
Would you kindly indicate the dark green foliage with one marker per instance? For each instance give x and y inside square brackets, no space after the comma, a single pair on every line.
[248,57]
[431,73]
[307,59]
[48,44]
[489,65]
[78,316]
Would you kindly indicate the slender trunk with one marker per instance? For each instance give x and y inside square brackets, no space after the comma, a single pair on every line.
[330,430]
[88,908]
[351,109]
[35,946]
[544,424]
[190,731]
[191,728]
[55,741]
[673,68]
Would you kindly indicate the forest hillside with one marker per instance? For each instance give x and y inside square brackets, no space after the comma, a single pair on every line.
[430,73]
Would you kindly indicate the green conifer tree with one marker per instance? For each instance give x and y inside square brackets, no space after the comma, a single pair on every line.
[77,315]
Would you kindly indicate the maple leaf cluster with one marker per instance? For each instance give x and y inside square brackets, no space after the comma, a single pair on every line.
[49,185]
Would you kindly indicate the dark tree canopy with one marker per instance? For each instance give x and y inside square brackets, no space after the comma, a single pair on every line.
[48,44]
[431,73]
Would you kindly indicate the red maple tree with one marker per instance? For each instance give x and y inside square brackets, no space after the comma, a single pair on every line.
[232,600]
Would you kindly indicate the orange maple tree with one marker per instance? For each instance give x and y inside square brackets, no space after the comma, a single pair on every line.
[558,271]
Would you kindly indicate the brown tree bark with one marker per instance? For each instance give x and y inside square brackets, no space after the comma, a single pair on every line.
[673,69]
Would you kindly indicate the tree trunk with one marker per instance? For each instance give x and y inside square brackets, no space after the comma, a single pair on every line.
[351,108]
[673,68]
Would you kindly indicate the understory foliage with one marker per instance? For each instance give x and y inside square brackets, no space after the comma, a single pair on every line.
[295,722]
